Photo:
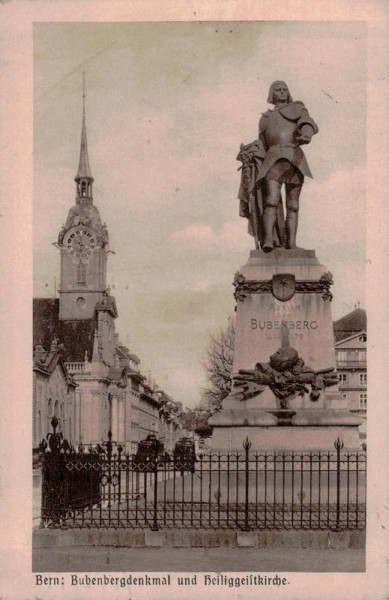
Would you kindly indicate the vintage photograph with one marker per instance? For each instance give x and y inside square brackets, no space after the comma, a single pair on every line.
[199,322]
[194,304]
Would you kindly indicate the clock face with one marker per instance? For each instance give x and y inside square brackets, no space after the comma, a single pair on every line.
[80,242]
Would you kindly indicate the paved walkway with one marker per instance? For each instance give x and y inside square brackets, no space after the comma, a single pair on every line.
[274,560]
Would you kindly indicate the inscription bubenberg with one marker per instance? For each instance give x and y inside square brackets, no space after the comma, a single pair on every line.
[287,320]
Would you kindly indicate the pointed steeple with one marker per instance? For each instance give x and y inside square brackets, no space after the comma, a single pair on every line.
[84,177]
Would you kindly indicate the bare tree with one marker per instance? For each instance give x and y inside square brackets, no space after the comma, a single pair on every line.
[218,366]
[196,419]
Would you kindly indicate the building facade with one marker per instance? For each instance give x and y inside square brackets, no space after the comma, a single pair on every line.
[351,362]
[54,394]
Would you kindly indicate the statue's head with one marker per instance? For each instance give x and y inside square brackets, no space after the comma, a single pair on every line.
[279,92]
[284,358]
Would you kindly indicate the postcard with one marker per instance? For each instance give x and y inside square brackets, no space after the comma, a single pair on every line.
[195,289]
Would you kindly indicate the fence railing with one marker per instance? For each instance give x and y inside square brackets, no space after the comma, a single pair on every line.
[104,487]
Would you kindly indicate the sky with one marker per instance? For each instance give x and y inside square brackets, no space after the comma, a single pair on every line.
[167,106]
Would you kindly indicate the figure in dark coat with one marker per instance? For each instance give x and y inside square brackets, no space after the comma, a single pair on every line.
[273,160]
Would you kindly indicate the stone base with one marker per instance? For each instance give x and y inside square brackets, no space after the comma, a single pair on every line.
[294,437]
[236,417]
[281,253]
[264,321]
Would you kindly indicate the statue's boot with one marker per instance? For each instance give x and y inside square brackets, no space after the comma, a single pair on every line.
[269,221]
[291,230]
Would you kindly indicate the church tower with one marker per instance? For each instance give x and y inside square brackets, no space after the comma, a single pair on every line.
[83,243]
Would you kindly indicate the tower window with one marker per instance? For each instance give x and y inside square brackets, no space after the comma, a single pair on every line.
[81,274]
[81,302]
[83,189]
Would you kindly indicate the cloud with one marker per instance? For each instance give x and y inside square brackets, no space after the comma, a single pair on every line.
[231,236]
[333,212]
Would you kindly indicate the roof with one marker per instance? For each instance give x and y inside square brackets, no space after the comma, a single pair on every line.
[46,361]
[344,342]
[76,336]
[84,171]
[352,323]
[148,397]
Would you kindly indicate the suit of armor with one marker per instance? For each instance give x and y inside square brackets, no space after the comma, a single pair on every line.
[276,159]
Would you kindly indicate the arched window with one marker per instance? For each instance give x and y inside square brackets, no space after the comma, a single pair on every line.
[49,408]
[56,409]
[81,274]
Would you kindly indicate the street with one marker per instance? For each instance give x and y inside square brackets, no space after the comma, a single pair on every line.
[91,559]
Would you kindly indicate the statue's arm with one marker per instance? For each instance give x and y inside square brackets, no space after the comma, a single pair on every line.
[306,127]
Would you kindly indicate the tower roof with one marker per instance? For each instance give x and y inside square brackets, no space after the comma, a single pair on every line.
[84,171]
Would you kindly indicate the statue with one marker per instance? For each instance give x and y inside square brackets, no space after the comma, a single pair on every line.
[286,375]
[273,160]
[61,235]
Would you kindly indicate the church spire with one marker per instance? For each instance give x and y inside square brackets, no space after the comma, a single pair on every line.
[84,177]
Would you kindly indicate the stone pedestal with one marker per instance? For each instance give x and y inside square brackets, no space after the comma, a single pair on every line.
[284,298]
[262,320]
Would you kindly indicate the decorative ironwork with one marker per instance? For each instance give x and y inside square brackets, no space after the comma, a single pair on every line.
[244,287]
[67,484]
[244,490]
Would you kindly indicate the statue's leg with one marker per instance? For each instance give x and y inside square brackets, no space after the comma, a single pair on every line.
[293,192]
[270,213]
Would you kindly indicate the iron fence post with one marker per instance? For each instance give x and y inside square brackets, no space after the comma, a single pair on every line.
[246,446]
[338,446]
[154,526]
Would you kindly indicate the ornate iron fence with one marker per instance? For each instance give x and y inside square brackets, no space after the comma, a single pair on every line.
[104,487]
